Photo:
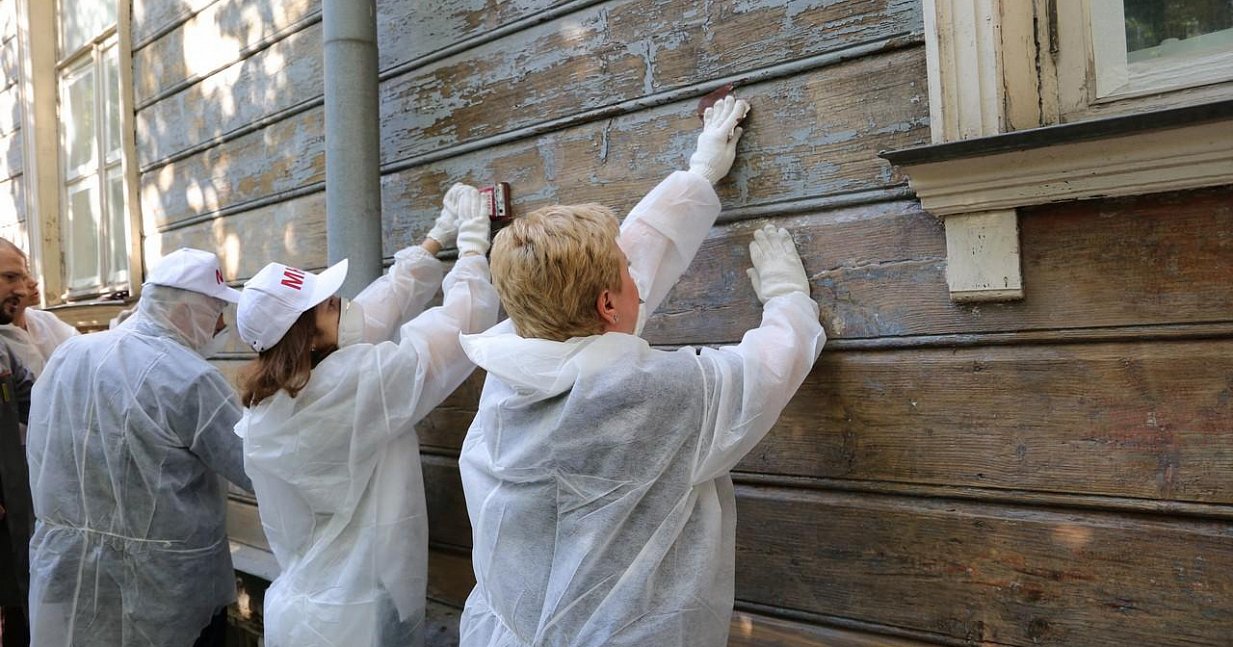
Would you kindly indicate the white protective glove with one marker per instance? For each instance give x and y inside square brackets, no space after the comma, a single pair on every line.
[445,229]
[717,142]
[777,269]
[473,227]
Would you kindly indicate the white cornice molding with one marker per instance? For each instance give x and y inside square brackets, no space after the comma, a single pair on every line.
[1139,163]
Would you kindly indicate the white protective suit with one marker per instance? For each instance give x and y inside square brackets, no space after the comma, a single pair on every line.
[34,345]
[336,469]
[596,471]
[129,429]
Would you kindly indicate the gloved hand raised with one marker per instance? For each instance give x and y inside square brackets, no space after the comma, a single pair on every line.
[777,269]
[717,142]
[445,229]
[473,227]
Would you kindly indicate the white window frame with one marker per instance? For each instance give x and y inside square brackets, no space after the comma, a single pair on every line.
[45,195]
[1095,77]
[1002,66]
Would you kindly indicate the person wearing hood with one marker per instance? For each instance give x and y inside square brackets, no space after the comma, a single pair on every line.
[33,335]
[129,430]
[329,429]
[596,471]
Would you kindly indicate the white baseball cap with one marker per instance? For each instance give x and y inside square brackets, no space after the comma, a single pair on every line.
[277,295]
[195,270]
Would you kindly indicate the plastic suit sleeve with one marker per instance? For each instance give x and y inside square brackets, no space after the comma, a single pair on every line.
[754,380]
[439,364]
[400,294]
[664,231]
[213,403]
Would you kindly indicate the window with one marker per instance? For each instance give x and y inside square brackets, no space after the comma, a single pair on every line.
[1119,56]
[1040,101]
[94,211]
[1155,45]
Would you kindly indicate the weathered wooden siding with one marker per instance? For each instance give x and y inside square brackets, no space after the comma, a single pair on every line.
[13,184]
[1054,471]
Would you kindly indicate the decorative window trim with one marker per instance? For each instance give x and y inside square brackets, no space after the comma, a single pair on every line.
[41,148]
[996,96]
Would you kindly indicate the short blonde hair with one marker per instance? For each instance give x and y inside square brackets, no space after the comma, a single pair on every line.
[550,266]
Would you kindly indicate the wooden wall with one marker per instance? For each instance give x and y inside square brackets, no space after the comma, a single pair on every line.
[1056,471]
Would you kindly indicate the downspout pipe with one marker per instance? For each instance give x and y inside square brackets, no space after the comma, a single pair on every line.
[352,140]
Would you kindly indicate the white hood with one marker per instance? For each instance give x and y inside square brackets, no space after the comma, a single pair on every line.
[545,368]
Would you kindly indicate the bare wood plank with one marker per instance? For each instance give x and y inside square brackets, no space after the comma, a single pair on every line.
[613,52]
[613,164]
[756,630]
[987,574]
[447,507]
[1080,268]
[450,577]
[275,79]
[288,155]
[215,39]
[291,232]
[1146,420]
[1139,420]
[807,136]
[410,29]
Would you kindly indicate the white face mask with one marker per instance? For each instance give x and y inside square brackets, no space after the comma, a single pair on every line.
[217,343]
[350,324]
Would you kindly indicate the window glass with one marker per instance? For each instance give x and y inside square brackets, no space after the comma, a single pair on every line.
[77,114]
[83,20]
[111,103]
[1157,29]
[117,228]
[82,259]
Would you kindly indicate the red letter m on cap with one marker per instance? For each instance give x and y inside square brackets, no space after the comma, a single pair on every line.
[293,278]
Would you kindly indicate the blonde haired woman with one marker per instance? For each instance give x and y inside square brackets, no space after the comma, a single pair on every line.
[329,430]
[596,471]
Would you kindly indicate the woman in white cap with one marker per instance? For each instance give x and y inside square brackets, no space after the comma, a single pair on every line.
[329,438]
[128,430]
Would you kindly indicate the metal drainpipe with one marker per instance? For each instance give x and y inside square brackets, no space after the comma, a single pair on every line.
[352,140]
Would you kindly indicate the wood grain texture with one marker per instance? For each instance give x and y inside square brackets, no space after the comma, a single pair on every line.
[988,575]
[214,39]
[291,232]
[279,77]
[1148,420]
[879,271]
[612,52]
[1140,420]
[411,29]
[755,630]
[804,137]
[288,155]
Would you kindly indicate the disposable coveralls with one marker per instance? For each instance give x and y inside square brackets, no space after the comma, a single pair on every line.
[596,471]
[336,469]
[34,344]
[128,429]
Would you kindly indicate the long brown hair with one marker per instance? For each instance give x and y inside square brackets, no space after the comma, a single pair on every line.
[285,365]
